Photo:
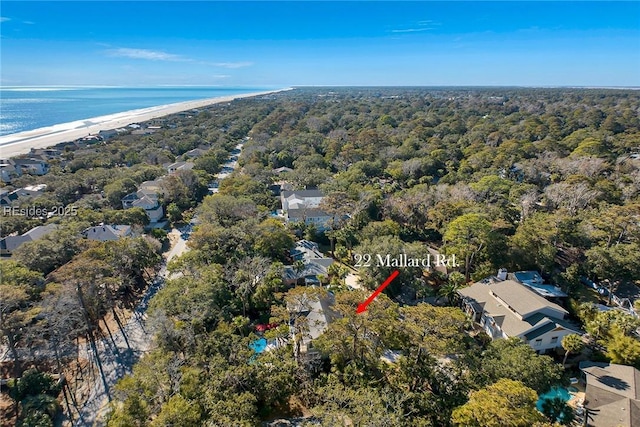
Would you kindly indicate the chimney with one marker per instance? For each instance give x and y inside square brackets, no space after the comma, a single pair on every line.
[502,274]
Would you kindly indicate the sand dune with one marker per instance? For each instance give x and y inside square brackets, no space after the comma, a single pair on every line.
[21,143]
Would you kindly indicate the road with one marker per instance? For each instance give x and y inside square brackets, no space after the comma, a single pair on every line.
[119,353]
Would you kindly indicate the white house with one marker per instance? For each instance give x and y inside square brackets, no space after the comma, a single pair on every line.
[303,205]
[146,200]
[506,308]
[32,166]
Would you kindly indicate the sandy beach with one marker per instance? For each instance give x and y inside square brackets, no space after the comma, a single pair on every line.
[21,143]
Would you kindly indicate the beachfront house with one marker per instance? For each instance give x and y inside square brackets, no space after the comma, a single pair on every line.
[45,153]
[8,171]
[612,395]
[303,206]
[31,166]
[505,308]
[10,243]
[106,232]
[107,134]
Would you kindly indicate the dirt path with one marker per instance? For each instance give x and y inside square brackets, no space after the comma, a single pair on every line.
[120,352]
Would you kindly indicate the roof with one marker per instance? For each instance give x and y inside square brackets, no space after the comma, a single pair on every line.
[521,299]
[106,232]
[533,280]
[502,300]
[318,314]
[40,231]
[302,193]
[10,243]
[28,162]
[306,213]
[612,394]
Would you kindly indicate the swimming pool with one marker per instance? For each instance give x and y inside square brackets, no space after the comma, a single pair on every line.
[562,392]
[259,345]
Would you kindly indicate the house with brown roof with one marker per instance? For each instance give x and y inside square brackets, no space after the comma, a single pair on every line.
[506,308]
[612,397]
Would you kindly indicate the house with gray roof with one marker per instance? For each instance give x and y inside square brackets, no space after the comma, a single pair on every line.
[303,205]
[147,200]
[10,243]
[315,264]
[103,233]
[179,166]
[310,317]
[612,395]
[506,308]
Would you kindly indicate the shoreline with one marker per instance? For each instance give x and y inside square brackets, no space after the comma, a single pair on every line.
[21,143]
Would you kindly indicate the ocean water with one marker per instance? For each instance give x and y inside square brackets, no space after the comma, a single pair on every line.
[28,108]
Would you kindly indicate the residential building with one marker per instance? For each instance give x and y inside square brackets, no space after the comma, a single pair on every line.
[282,169]
[303,205]
[195,153]
[315,264]
[612,396]
[106,134]
[45,153]
[9,172]
[179,166]
[10,243]
[30,166]
[31,190]
[7,198]
[152,186]
[107,232]
[146,200]
[535,282]
[310,317]
[506,308]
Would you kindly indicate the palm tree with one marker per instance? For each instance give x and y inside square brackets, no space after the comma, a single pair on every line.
[455,282]
[571,343]
[298,267]
[557,410]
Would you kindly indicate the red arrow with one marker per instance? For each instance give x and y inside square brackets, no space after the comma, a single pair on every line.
[363,307]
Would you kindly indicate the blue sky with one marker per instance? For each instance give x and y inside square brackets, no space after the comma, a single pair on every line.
[320,43]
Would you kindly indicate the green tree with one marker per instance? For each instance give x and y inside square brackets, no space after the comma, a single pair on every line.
[557,410]
[514,359]
[273,240]
[571,343]
[507,403]
[178,411]
[624,349]
[468,237]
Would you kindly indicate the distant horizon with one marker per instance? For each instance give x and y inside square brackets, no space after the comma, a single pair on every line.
[169,86]
[282,44]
